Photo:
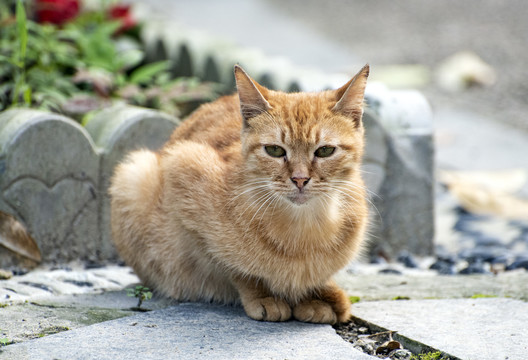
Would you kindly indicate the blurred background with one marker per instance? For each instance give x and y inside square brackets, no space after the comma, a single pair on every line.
[467,57]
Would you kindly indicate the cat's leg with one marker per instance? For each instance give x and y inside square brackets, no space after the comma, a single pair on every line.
[328,305]
[258,302]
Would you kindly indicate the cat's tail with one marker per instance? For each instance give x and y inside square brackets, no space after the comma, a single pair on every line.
[135,190]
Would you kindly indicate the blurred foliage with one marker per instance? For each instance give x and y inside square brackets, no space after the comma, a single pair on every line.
[83,65]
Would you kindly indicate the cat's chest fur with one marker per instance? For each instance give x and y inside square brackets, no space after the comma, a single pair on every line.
[293,249]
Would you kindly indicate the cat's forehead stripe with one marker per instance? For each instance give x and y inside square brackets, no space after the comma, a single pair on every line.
[317,135]
[298,134]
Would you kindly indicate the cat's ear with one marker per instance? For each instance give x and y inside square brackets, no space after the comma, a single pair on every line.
[252,95]
[350,97]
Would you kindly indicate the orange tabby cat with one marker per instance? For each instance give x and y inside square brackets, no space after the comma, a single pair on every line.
[256,198]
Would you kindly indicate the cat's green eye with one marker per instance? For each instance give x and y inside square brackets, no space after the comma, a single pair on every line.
[275,150]
[324,151]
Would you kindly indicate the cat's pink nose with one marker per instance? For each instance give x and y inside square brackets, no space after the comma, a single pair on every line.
[300,182]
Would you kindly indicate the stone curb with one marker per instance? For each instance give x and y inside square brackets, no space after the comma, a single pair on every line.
[54,174]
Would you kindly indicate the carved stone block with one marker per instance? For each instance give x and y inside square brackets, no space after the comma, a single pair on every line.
[54,175]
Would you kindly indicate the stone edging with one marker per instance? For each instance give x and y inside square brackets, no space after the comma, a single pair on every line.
[54,174]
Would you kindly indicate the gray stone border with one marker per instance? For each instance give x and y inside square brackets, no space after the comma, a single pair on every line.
[54,174]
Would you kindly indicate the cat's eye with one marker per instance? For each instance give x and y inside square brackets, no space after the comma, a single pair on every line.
[324,151]
[275,150]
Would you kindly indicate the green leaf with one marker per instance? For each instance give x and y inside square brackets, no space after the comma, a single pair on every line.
[130,58]
[480,296]
[354,299]
[22,29]
[146,73]
[27,96]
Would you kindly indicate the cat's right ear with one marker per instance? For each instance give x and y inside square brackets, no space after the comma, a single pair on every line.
[251,94]
[350,98]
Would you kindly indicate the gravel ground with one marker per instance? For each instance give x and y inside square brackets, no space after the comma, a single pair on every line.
[371,342]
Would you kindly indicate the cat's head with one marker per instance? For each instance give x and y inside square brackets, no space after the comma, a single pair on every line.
[302,146]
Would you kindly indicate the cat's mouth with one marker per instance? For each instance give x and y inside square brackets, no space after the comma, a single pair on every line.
[299,197]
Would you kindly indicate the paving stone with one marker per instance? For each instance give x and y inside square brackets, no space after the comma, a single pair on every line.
[23,322]
[368,285]
[29,320]
[190,331]
[484,329]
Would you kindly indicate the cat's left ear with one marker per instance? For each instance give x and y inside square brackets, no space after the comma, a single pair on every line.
[350,97]
[251,94]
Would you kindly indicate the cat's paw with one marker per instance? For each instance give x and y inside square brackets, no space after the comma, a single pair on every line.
[268,309]
[315,311]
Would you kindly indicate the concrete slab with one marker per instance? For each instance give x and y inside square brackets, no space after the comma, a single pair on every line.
[417,285]
[24,322]
[33,319]
[190,331]
[469,329]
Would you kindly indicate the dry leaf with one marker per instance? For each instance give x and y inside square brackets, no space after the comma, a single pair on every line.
[505,181]
[17,247]
[489,192]
[463,70]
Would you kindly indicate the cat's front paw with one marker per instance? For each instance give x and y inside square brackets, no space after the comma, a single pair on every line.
[268,309]
[315,311]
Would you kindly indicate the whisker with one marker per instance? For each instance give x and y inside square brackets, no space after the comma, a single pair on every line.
[268,196]
[249,187]
[353,187]
[274,199]
[262,194]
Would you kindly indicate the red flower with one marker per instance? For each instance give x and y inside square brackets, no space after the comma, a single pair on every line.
[56,11]
[122,13]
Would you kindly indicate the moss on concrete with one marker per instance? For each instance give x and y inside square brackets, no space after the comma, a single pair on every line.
[32,320]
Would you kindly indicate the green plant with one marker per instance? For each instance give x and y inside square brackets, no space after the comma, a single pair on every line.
[354,299]
[480,296]
[83,65]
[30,56]
[140,292]
[429,356]
[4,342]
